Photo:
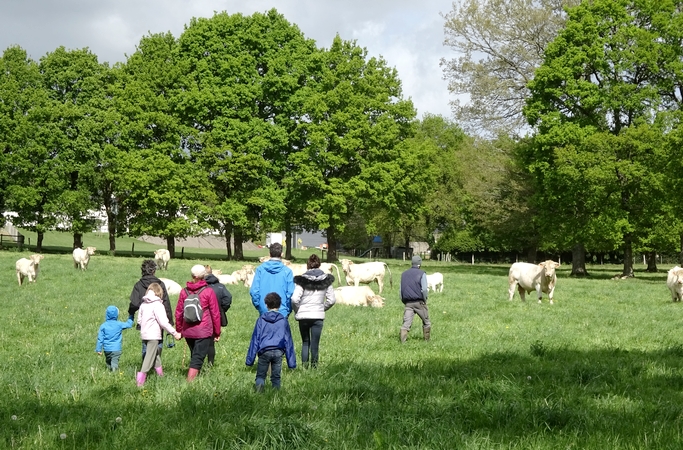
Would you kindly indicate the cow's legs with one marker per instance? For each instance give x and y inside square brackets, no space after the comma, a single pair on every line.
[380,283]
[522,292]
[511,289]
[19,277]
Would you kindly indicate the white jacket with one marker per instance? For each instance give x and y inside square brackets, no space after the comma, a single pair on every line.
[152,318]
[313,294]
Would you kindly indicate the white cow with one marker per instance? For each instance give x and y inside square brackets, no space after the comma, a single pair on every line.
[674,281]
[162,257]
[327,268]
[365,273]
[435,281]
[28,268]
[297,269]
[533,277]
[249,280]
[172,287]
[358,296]
[82,257]
[227,278]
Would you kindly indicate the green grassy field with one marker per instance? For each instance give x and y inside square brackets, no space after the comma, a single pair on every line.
[602,368]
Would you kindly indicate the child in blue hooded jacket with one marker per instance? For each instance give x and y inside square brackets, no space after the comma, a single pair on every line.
[271,339]
[109,337]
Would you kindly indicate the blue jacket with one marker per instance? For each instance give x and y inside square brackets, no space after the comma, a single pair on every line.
[271,332]
[272,276]
[109,337]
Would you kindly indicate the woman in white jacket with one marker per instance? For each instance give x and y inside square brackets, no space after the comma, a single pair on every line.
[313,295]
[152,318]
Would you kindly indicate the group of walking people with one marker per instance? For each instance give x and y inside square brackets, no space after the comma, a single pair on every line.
[275,293]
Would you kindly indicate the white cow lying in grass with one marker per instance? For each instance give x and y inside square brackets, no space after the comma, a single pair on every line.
[162,257]
[435,282]
[28,268]
[82,257]
[358,296]
[674,281]
[533,277]
[365,273]
[172,287]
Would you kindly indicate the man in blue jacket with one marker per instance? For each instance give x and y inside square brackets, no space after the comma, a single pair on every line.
[413,293]
[273,276]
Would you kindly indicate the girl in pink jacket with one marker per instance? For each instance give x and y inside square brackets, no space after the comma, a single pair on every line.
[152,318]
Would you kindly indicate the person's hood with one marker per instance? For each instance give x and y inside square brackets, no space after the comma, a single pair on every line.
[273,316]
[210,278]
[274,266]
[195,286]
[314,279]
[112,313]
[150,297]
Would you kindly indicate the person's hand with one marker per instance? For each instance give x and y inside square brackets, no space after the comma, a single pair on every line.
[99,353]
[217,338]
[177,336]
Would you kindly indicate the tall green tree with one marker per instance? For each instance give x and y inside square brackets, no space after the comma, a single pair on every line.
[596,103]
[355,122]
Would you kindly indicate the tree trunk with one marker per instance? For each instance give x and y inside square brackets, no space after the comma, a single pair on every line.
[531,255]
[170,245]
[651,262]
[628,257]
[331,244]
[228,235]
[288,239]
[111,226]
[39,244]
[239,251]
[78,240]
[579,261]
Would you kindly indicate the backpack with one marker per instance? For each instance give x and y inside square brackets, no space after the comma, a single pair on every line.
[192,308]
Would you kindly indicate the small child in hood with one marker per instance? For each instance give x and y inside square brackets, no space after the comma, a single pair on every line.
[152,318]
[110,337]
[271,339]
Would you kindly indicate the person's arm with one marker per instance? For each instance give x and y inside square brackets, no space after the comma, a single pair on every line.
[135,299]
[214,311]
[256,294]
[166,301]
[289,289]
[128,323]
[330,299]
[179,323]
[253,346]
[162,320]
[296,297]
[226,299]
[424,287]
[100,340]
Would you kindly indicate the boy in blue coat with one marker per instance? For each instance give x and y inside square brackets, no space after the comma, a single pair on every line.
[110,338]
[271,339]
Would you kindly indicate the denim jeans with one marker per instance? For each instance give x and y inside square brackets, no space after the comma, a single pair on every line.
[112,360]
[310,329]
[272,358]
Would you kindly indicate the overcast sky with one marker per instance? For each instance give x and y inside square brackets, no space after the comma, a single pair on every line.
[407,33]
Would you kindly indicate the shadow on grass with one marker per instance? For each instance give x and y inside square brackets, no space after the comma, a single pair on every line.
[558,396]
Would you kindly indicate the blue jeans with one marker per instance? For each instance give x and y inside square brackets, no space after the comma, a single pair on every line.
[272,358]
[112,360]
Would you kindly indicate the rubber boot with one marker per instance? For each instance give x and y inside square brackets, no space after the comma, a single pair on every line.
[404,336]
[425,332]
[140,378]
[191,374]
[160,371]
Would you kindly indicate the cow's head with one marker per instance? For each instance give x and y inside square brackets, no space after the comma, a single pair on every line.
[549,267]
[375,301]
[35,259]
[90,250]
[346,264]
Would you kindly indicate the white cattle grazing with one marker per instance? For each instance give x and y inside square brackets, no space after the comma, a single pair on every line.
[297,269]
[162,257]
[28,268]
[249,280]
[533,277]
[227,278]
[435,281]
[674,281]
[358,296]
[365,273]
[82,257]
[172,287]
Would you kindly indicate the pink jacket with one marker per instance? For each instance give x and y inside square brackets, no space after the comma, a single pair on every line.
[152,318]
[210,326]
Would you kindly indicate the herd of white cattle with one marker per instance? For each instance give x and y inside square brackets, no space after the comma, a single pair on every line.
[524,277]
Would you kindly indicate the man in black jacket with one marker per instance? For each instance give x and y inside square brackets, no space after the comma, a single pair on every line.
[224,301]
[149,268]
[413,293]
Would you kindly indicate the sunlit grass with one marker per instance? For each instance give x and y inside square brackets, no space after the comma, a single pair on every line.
[602,368]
